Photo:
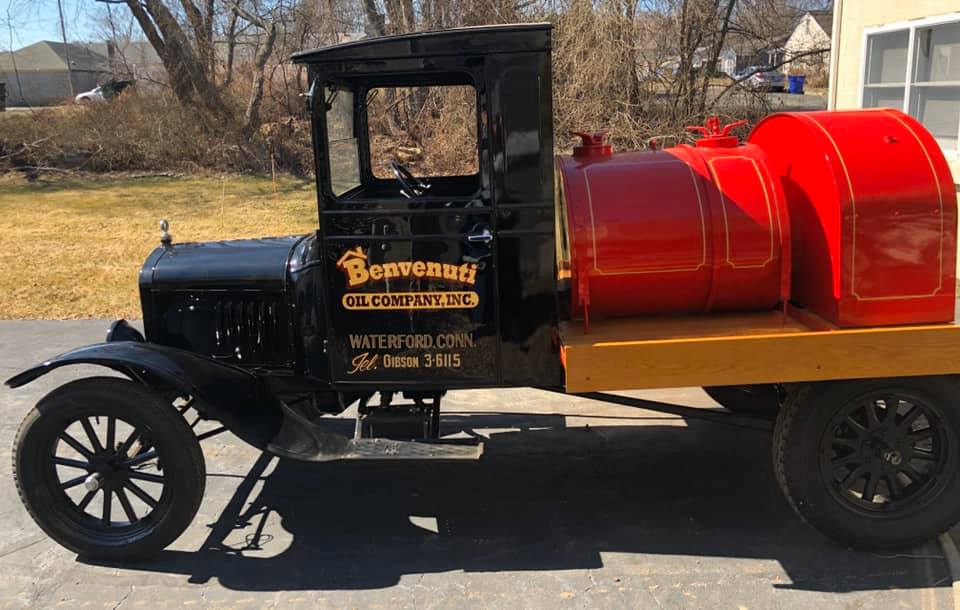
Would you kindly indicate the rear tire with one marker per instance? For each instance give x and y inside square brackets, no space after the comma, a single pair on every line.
[108,469]
[760,399]
[874,464]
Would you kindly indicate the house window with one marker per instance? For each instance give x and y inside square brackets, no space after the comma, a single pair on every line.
[917,69]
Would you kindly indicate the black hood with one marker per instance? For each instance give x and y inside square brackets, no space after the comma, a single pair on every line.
[240,264]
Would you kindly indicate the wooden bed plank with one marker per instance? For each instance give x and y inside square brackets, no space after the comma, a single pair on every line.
[747,348]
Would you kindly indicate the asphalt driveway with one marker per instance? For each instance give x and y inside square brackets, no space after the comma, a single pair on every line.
[644,499]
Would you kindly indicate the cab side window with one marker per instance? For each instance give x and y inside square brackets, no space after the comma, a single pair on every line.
[431,131]
[342,141]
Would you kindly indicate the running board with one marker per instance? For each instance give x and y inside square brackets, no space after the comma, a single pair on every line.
[302,439]
[386,449]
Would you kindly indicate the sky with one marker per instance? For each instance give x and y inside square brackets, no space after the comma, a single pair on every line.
[24,22]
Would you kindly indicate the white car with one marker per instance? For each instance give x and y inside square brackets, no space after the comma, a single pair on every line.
[762,78]
[104,92]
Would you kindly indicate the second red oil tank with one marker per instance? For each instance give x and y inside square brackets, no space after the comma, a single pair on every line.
[679,230]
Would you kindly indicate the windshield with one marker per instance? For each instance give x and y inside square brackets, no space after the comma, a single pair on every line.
[341,141]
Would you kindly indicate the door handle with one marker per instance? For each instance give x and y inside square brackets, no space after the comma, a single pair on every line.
[483,237]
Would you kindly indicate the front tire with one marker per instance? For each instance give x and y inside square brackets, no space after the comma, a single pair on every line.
[874,464]
[108,469]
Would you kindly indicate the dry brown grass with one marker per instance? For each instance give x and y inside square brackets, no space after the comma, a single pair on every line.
[147,132]
[72,248]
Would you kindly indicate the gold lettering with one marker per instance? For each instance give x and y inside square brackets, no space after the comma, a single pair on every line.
[363,362]
[356,271]
[390,271]
[354,264]
[409,300]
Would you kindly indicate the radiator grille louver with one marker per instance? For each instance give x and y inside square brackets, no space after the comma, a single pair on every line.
[249,327]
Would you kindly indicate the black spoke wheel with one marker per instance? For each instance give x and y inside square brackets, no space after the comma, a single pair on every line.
[886,451]
[108,469]
[875,464]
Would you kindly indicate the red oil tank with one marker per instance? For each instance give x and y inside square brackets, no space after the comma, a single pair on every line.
[873,215]
[679,230]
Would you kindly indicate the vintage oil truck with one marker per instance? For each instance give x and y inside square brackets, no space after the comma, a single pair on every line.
[810,269]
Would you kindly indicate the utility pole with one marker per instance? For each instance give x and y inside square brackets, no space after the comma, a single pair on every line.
[66,50]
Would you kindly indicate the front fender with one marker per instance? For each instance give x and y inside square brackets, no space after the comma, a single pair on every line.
[232,395]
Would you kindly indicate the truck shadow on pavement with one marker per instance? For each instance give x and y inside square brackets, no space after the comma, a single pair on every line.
[543,497]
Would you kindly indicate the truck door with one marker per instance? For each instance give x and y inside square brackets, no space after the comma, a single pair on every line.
[408,235]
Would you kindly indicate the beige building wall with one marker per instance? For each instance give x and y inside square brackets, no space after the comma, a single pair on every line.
[850,20]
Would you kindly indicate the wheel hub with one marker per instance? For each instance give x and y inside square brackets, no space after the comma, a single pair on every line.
[92,482]
[880,448]
[894,458]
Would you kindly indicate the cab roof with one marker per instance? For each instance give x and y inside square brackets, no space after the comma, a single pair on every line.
[477,40]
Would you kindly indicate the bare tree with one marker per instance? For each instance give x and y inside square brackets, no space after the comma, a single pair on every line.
[268,25]
[66,48]
[187,67]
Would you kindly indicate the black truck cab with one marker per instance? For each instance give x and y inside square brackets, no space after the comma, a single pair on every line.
[435,281]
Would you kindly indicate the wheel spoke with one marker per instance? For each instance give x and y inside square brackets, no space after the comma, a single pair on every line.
[141,458]
[870,487]
[91,434]
[143,476]
[857,427]
[73,482]
[107,505]
[924,456]
[851,458]
[853,476]
[910,417]
[62,461]
[921,435]
[77,445]
[111,432]
[872,420]
[894,484]
[140,493]
[122,449]
[853,443]
[911,473]
[892,403]
[86,499]
[127,507]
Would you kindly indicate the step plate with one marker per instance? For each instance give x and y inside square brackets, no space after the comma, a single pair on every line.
[385,449]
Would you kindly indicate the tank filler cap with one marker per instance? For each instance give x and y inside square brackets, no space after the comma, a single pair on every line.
[715,136]
[592,145]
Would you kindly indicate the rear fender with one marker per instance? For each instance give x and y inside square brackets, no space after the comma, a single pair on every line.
[235,397]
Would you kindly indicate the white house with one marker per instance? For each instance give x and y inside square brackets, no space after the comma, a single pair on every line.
[809,42]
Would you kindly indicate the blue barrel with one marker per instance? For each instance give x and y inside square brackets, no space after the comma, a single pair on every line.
[796,84]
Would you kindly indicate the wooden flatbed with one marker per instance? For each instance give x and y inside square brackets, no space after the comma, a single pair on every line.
[747,348]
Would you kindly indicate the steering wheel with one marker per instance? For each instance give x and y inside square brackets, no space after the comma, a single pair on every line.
[410,185]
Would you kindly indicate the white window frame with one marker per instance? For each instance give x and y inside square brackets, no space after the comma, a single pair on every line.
[911,26]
